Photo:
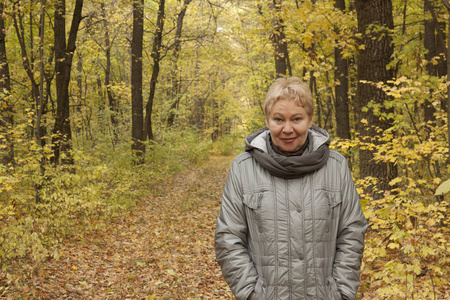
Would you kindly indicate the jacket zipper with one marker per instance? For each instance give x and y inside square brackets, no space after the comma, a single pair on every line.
[329,211]
[258,215]
[289,239]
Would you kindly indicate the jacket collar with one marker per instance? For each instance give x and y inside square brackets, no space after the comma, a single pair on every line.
[288,167]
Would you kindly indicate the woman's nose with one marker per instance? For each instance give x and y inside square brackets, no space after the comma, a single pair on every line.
[287,128]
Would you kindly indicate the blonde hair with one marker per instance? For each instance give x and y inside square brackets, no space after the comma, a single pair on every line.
[291,89]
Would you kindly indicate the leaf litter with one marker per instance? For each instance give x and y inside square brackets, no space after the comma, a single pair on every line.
[162,249]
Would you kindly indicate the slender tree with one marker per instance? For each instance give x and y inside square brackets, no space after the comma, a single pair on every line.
[430,44]
[111,99]
[27,56]
[375,22]
[176,53]
[40,107]
[281,54]
[447,5]
[62,133]
[438,48]
[6,107]
[156,55]
[341,89]
[137,116]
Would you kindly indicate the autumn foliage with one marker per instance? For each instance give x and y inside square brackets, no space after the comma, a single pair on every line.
[80,217]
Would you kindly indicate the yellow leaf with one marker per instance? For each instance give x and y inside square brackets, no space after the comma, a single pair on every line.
[393,245]
[395,181]
[443,188]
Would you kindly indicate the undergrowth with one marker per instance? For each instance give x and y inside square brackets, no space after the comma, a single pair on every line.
[102,184]
[407,245]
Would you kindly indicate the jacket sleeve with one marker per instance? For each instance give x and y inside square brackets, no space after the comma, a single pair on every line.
[231,239]
[350,238]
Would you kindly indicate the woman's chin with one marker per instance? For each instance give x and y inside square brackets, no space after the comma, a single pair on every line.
[289,148]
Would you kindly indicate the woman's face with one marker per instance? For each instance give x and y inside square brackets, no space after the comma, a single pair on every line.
[288,123]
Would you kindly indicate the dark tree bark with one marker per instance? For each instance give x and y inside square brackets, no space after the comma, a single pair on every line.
[442,63]
[198,108]
[430,44]
[80,76]
[341,89]
[372,66]
[441,48]
[62,133]
[281,54]
[26,60]
[6,107]
[215,114]
[39,133]
[111,100]
[176,52]
[137,117]
[156,55]
[447,5]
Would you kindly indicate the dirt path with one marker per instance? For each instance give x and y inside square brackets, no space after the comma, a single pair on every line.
[162,250]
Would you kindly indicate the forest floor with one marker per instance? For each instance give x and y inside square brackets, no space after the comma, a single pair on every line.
[162,249]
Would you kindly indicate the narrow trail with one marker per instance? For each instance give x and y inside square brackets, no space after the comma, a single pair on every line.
[163,249]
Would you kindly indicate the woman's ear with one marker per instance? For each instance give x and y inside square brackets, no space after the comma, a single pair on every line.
[311,121]
[267,122]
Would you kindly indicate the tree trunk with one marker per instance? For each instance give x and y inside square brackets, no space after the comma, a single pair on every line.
[28,66]
[431,51]
[442,63]
[281,54]
[341,89]
[372,67]
[62,134]
[214,112]
[80,76]
[197,116]
[40,108]
[137,117]
[156,55]
[447,5]
[6,107]
[177,48]
[111,100]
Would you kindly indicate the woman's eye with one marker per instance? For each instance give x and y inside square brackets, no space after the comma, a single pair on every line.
[297,119]
[278,120]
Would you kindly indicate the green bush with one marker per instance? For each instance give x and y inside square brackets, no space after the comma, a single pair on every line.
[229,145]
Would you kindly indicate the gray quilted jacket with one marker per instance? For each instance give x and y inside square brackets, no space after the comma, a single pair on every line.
[286,231]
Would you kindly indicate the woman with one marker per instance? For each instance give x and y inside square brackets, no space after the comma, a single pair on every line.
[291,224]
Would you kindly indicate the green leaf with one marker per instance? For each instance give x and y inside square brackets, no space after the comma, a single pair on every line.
[171,272]
[443,188]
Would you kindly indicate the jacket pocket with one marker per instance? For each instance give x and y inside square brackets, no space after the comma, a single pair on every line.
[326,204]
[253,202]
[331,289]
[334,200]
[259,293]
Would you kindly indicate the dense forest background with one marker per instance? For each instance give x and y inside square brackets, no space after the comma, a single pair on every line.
[100,100]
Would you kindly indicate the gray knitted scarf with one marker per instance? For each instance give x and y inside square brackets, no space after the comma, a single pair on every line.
[288,167]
